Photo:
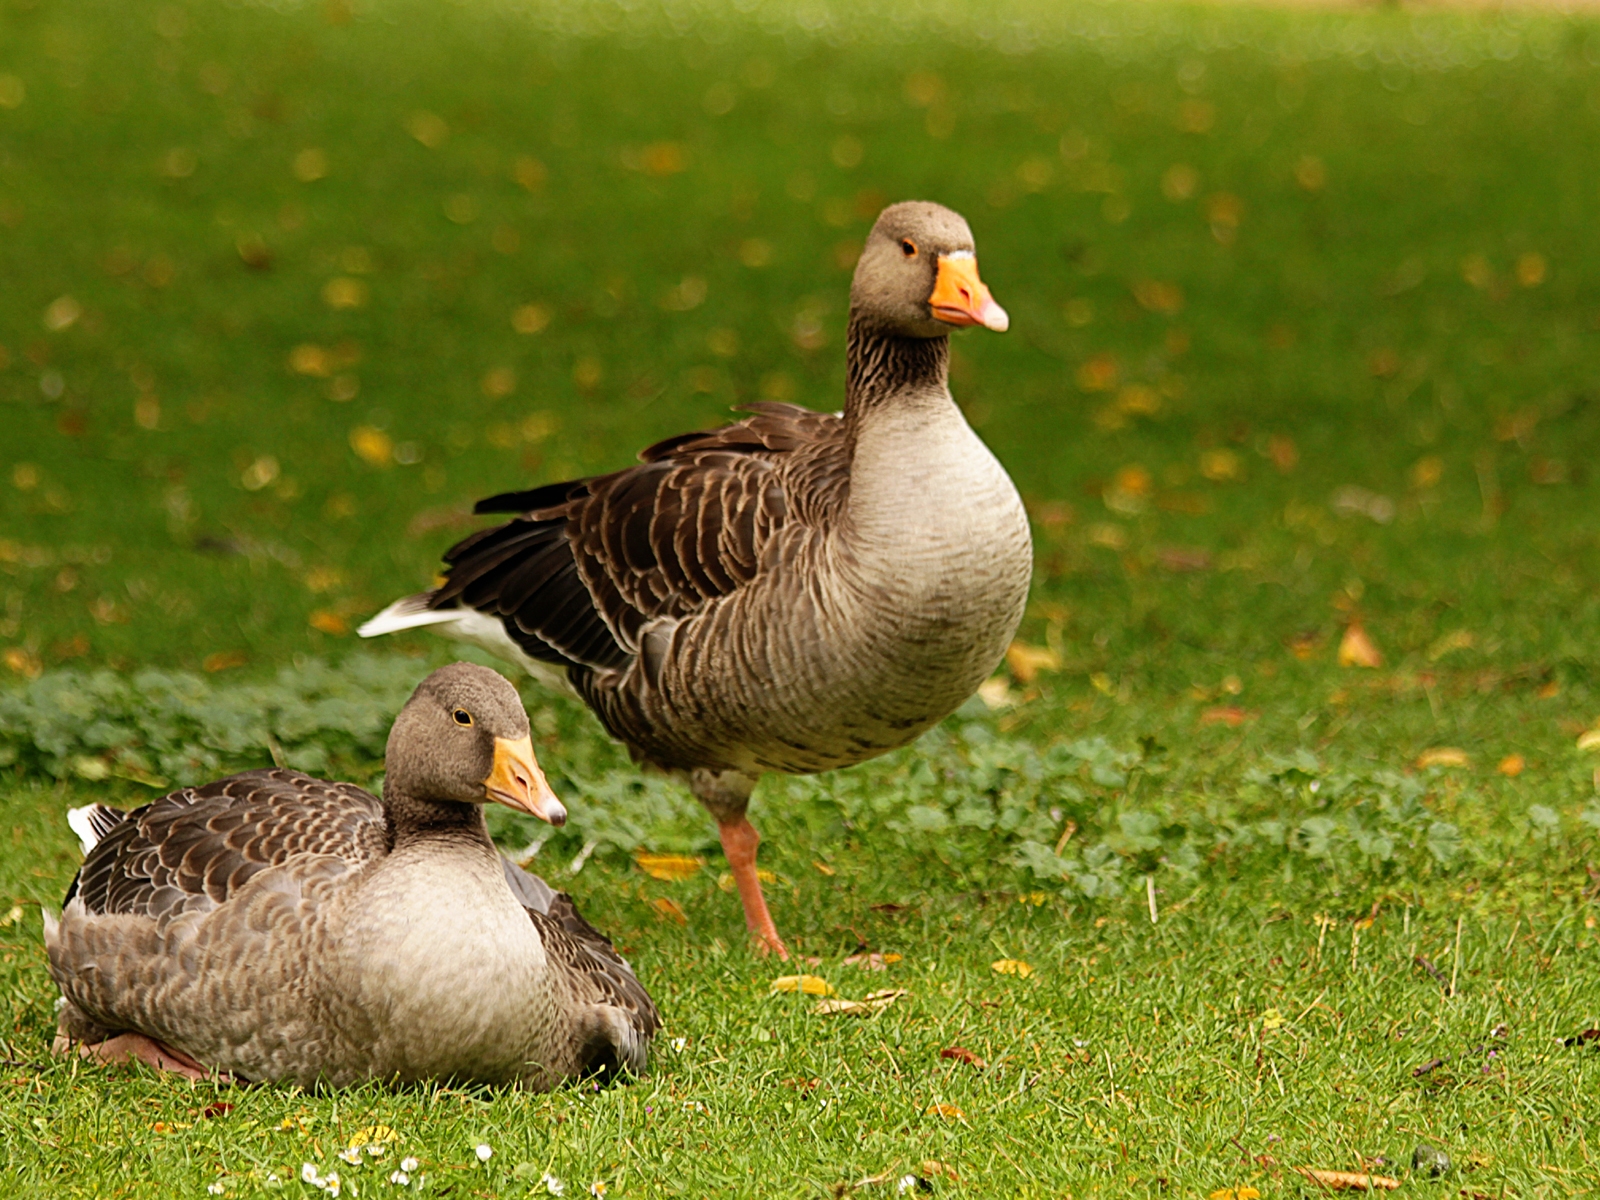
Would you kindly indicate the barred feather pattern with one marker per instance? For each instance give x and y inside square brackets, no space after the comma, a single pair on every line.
[266,925]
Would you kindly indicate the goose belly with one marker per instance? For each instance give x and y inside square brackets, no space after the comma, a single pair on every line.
[872,632]
[449,976]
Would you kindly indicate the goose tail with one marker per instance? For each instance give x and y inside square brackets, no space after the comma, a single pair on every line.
[408,612]
[92,822]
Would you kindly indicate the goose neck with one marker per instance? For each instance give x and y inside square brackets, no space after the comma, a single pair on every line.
[885,367]
[413,818]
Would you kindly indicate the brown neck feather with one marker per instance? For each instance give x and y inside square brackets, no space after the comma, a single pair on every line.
[411,819]
[881,365]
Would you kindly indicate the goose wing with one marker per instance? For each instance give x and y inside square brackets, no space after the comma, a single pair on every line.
[582,569]
[586,956]
[188,851]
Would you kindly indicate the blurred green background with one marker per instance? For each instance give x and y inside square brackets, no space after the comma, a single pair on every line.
[287,290]
[1302,389]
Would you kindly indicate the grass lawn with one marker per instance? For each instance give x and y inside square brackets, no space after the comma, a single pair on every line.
[1302,388]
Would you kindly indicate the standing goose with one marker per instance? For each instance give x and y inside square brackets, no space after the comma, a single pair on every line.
[795,592]
[272,926]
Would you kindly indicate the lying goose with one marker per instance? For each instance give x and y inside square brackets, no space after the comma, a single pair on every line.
[794,592]
[272,926]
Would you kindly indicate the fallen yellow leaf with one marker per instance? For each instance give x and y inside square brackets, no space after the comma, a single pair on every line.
[668,910]
[669,867]
[329,622]
[1011,966]
[823,867]
[1443,756]
[24,662]
[1458,639]
[1512,765]
[344,292]
[1356,648]
[372,1135]
[1221,466]
[996,693]
[1027,661]
[1589,740]
[372,445]
[945,1110]
[1242,1193]
[810,985]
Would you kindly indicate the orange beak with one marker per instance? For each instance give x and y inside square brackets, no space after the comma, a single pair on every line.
[959,297]
[517,782]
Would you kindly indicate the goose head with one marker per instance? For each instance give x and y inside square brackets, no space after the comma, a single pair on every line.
[918,275]
[464,737]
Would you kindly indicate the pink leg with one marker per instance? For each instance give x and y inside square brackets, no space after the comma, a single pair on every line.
[129,1047]
[739,842]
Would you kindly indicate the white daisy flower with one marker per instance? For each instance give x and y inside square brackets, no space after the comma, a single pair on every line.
[409,1164]
[553,1185]
[484,1151]
[217,1188]
[399,1178]
[310,1174]
[351,1155]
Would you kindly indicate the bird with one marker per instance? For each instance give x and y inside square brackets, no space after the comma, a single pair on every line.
[794,592]
[271,926]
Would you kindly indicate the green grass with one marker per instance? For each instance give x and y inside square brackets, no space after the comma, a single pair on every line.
[1368,390]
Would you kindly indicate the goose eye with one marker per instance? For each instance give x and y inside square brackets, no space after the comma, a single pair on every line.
[462,716]
[908,247]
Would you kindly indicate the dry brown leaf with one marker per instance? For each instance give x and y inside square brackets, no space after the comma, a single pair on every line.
[222,660]
[669,867]
[962,1054]
[1349,1181]
[1027,661]
[1512,765]
[871,962]
[1357,649]
[1228,714]
[1443,756]
[668,910]
[810,985]
[1011,966]
[823,867]
[933,1168]
[873,1002]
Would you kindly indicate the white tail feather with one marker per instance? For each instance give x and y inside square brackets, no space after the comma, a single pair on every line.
[92,822]
[408,612]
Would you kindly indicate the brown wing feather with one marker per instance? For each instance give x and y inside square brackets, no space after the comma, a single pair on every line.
[590,562]
[189,850]
[592,962]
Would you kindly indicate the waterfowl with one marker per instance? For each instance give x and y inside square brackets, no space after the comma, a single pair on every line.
[272,926]
[794,592]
